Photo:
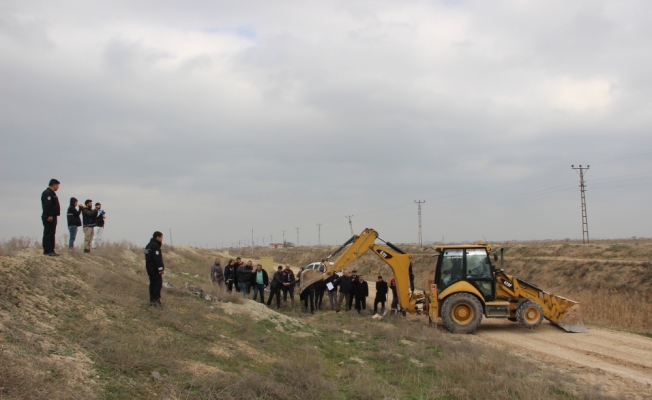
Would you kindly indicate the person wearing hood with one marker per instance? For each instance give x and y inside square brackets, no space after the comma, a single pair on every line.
[155,268]
[74,221]
[217,275]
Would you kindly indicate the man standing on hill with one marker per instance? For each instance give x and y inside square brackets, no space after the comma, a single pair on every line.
[51,210]
[260,280]
[98,231]
[275,287]
[74,222]
[243,275]
[331,286]
[288,283]
[381,295]
[88,216]
[155,268]
[354,282]
[392,285]
[229,275]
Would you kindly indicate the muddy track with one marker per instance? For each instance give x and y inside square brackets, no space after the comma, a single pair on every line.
[620,362]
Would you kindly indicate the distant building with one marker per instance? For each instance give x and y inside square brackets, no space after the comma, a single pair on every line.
[276,245]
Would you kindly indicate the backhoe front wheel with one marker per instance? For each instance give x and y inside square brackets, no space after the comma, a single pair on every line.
[529,314]
[461,313]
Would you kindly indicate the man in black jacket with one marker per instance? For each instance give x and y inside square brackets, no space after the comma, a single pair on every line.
[332,290]
[381,295]
[74,221]
[354,282]
[155,268]
[243,274]
[89,216]
[259,281]
[51,210]
[361,293]
[275,287]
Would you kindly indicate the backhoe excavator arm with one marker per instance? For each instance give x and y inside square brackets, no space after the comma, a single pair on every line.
[399,261]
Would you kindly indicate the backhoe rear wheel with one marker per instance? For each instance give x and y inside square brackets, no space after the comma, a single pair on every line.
[461,313]
[529,314]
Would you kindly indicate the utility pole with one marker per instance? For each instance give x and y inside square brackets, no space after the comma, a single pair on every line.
[350,223]
[297,236]
[319,234]
[252,238]
[271,239]
[171,238]
[585,223]
[419,212]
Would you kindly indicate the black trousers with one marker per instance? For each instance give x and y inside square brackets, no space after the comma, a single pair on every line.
[229,285]
[319,296]
[308,297]
[287,289]
[49,232]
[155,285]
[360,303]
[274,291]
[382,303]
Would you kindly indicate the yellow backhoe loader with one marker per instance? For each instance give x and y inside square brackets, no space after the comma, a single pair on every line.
[465,286]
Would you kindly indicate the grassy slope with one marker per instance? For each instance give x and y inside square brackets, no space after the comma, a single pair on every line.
[79,326]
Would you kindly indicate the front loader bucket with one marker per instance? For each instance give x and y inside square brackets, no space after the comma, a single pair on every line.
[571,319]
[308,277]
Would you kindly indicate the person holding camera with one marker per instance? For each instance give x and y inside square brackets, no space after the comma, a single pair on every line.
[89,218]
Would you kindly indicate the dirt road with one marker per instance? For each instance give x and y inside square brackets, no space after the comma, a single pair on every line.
[620,361]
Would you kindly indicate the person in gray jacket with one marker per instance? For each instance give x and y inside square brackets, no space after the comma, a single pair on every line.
[217,275]
[275,287]
[89,216]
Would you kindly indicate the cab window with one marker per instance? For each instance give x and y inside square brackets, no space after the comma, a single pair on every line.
[478,272]
[477,264]
[451,268]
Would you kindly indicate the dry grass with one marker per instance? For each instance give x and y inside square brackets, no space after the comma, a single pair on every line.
[632,311]
[12,246]
[79,326]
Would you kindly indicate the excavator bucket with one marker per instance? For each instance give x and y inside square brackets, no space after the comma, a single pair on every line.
[571,321]
[308,277]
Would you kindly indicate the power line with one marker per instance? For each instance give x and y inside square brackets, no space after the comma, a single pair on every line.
[585,223]
[419,213]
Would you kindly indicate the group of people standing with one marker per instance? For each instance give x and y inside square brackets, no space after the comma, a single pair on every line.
[91,218]
[340,289]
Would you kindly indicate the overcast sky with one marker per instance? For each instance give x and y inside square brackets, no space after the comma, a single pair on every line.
[214,118]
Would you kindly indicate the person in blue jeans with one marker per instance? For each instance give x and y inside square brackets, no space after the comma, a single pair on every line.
[74,221]
[245,276]
[259,281]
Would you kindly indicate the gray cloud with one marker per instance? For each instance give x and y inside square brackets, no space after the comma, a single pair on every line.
[215,118]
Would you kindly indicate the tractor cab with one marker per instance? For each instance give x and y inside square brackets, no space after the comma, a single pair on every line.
[469,263]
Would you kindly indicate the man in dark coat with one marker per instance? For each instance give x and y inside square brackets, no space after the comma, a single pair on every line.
[320,288]
[394,306]
[51,210]
[243,274]
[74,221]
[307,296]
[155,268]
[275,287]
[361,293]
[381,295]
[259,281]
[354,282]
[229,275]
